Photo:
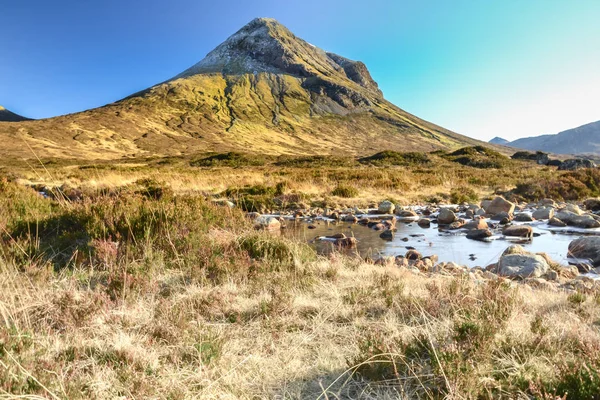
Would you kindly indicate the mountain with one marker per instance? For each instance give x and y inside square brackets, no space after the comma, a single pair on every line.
[9,116]
[262,90]
[582,140]
[499,140]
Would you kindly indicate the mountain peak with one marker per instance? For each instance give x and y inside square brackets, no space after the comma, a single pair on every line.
[499,140]
[265,45]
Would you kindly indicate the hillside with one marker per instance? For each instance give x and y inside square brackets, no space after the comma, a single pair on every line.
[9,116]
[582,140]
[262,90]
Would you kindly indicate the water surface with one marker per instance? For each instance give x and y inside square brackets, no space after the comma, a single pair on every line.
[447,245]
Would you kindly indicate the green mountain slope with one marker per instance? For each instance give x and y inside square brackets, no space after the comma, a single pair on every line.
[262,90]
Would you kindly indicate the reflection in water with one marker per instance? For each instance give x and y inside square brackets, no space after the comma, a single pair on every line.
[448,246]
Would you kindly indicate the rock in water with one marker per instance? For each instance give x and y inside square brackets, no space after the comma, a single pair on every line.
[523,217]
[498,205]
[587,248]
[556,222]
[424,223]
[446,217]
[406,213]
[479,234]
[574,219]
[476,224]
[387,235]
[518,231]
[543,213]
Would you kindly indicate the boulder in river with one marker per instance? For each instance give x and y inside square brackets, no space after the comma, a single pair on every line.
[547,203]
[571,218]
[524,231]
[574,208]
[478,223]
[556,222]
[585,222]
[459,223]
[424,223]
[502,215]
[446,217]
[406,213]
[543,213]
[498,205]
[386,207]
[587,248]
[479,234]
[387,235]
[523,217]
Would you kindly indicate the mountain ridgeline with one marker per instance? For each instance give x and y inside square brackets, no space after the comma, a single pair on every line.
[263,90]
[582,140]
[9,116]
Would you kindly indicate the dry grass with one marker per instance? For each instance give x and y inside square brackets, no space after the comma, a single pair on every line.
[287,336]
[409,184]
[145,293]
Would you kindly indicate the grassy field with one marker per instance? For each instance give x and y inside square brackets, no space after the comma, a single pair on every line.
[406,178]
[129,281]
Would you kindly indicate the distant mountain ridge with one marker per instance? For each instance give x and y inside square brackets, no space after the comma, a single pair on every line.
[499,140]
[584,139]
[263,90]
[9,116]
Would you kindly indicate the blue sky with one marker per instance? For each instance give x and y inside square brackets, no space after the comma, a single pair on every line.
[487,68]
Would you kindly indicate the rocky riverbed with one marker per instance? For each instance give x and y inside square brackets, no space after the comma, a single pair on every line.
[551,243]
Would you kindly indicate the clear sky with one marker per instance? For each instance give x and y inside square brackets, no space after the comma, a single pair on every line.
[509,68]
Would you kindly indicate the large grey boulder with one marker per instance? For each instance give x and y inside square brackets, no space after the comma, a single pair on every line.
[573,219]
[523,217]
[498,205]
[585,221]
[446,217]
[587,247]
[522,266]
[576,163]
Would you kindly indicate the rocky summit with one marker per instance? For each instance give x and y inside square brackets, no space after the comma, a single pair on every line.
[262,90]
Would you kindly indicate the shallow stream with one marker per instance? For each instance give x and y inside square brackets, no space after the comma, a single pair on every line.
[447,245]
